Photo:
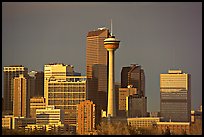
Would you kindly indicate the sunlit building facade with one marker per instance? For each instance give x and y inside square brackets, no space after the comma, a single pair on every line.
[9,73]
[66,94]
[36,103]
[123,93]
[57,71]
[21,97]
[175,96]
[85,117]
[142,122]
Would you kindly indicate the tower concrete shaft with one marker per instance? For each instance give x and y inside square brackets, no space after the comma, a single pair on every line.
[111,44]
[111,87]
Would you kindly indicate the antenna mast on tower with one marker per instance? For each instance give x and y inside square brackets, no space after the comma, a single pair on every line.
[111,28]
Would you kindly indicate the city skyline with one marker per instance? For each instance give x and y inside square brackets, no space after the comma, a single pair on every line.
[157,36]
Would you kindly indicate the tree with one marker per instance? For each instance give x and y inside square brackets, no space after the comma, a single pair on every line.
[167,131]
[112,128]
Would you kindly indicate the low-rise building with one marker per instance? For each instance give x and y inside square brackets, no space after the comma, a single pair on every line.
[49,115]
[176,128]
[7,122]
[142,121]
[36,103]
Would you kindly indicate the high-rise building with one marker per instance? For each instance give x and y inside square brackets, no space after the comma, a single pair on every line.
[133,75]
[136,106]
[57,71]
[66,94]
[21,97]
[117,86]
[36,83]
[36,103]
[86,117]
[97,69]
[9,73]
[123,93]
[175,96]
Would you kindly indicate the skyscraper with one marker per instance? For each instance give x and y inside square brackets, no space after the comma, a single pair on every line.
[21,96]
[86,117]
[123,93]
[36,83]
[57,71]
[96,68]
[175,96]
[136,106]
[11,72]
[65,95]
[133,75]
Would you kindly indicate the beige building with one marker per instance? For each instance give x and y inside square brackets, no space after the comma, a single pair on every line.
[49,115]
[36,103]
[20,97]
[9,73]
[57,71]
[143,121]
[176,128]
[85,117]
[175,96]
[66,94]
[48,127]
[123,93]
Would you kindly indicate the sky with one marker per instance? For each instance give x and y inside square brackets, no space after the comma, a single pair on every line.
[157,36]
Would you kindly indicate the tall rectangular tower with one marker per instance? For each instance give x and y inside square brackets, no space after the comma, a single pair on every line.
[36,83]
[11,72]
[21,96]
[86,117]
[133,75]
[175,96]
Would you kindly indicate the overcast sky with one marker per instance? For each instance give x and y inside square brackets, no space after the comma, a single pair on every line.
[158,36]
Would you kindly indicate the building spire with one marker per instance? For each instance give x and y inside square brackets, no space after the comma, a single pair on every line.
[111,29]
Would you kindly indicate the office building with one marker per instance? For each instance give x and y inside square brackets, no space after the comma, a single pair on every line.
[117,86]
[97,69]
[22,122]
[21,97]
[57,71]
[2,104]
[176,128]
[7,122]
[133,75]
[175,96]
[85,117]
[36,103]
[49,115]
[143,122]
[66,94]
[9,73]
[36,83]
[136,106]
[123,93]
[111,44]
